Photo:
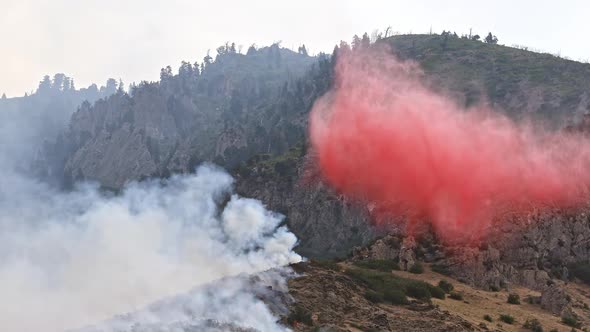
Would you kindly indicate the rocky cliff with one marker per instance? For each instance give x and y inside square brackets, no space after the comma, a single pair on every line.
[327,224]
[245,112]
[535,251]
[226,111]
[237,106]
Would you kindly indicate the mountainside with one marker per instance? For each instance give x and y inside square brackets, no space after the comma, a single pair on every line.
[326,224]
[465,69]
[249,114]
[238,106]
[37,119]
[226,111]
[373,295]
[515,81]
[245,112]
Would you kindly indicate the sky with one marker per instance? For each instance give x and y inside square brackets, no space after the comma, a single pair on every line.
[92,40]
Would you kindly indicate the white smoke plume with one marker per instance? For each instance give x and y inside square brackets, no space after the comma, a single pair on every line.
[230,304]
[71,260]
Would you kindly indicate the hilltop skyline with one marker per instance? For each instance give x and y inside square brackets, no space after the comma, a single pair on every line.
[91,42]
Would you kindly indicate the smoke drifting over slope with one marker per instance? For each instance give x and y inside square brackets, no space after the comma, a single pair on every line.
[230,304]
[71,259]
[383,137]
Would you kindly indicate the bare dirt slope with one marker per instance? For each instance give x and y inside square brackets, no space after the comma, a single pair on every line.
[477,303]
[327,298]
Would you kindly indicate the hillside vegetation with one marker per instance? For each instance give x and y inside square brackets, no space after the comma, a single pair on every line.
[249,112]
[340,297]
[223,111]
[517,81]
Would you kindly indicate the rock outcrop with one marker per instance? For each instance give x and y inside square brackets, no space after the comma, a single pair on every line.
[529,250]
[234,108]
[556,300]
[533,251]
[333,301]
[326,224]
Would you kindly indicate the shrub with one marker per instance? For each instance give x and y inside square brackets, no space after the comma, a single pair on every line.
[327,264]
[446,286]
[533,325]
[580,270]
[378,264]
[554,330]
[417,268]
[418,291]
[395,296]
[441,268]
[507,319]
[393,288]
[488,318]
[514,298]
[494,288]
[300,315]
[437,292]
[571,321]
[456,296]
[357,326]
[373,296]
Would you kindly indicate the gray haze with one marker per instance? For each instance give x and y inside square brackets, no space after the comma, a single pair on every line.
[73,259]
[94,40]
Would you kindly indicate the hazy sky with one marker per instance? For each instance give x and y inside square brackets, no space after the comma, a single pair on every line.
[92,40]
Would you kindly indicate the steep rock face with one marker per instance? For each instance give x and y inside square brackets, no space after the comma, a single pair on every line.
[531,257]
[386,248]
[326,224]
[107,158]
[555,300]
[529,251]
[236,107]
[242,106]
[533,251]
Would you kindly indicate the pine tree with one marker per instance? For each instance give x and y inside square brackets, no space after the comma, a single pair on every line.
[356,42]
[185,70]
[366,41]
[302,50]
[207,59]
[58,81]
[67,84]
[44,85]
[491,39]
[165,74]
[196,68]
[251,49]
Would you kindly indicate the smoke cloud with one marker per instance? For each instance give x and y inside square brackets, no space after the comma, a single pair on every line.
[382,136]
[230,304]
[69,260]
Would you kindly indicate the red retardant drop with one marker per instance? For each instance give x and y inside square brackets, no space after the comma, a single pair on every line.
[383,137]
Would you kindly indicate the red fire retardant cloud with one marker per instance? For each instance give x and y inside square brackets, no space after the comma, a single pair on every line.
[383,137]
